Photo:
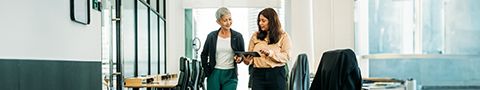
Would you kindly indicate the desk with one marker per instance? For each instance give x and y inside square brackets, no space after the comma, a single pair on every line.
[388,84]
[157,83]
[384,86]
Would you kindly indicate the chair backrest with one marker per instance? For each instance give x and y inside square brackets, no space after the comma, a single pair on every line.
[201,77]
[189,74]
[184,74]
[338,70]
[300,77]
[195,74]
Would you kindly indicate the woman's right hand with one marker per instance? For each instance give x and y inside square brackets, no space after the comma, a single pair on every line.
[248,59]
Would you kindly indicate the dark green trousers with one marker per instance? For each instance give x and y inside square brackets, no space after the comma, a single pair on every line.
[222,79]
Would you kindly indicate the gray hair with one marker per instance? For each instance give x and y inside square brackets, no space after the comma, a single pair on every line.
[222,11]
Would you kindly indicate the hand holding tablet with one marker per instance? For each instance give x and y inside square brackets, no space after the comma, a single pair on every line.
[241,53]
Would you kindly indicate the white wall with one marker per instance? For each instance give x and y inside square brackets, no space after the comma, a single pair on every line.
[175,34]
[333,26]
[231,3]
[299,18]
[42,29]
[317,26]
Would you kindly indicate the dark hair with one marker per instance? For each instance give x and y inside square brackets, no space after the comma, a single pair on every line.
[274,26]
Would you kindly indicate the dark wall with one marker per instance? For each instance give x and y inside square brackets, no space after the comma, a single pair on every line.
[49,75]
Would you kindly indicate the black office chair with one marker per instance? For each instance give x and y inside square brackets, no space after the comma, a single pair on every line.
[201,79]
[300,77]
[184,74]
[199,76]
[338,70]
[195,75]
[190,74]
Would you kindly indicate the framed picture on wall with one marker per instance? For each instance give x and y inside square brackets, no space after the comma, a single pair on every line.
[80,11]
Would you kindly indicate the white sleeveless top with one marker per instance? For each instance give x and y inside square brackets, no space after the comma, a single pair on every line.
[224,54]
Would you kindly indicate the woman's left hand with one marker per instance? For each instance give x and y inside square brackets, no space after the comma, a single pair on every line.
[237,59]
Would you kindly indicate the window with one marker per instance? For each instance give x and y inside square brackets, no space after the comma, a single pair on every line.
[142,39]
[431,41]
[417,27]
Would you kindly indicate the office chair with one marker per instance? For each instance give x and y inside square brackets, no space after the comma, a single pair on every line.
[300,77]
[201,79]
[184,74]
[338,70]
[195,76]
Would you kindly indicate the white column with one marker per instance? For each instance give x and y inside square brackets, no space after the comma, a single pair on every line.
[175,34]
[333,27]
[322,29]
[300,29]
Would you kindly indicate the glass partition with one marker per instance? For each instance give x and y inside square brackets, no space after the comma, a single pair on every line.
[154,43]
[433,71]
[142,38]
[391,26]
[139,32]
[421,26]
[161,8]
[162,47]
[127,37]
[462,27]
[432,41]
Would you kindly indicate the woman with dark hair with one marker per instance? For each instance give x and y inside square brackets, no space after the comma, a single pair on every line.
[218,59]
[273,44]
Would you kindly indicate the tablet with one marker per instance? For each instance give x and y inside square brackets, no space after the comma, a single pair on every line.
[254,54]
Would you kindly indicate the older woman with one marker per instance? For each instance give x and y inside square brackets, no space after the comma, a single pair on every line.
[273,44]
[218,59]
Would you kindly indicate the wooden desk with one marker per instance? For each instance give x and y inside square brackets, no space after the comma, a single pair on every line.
[157,83]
